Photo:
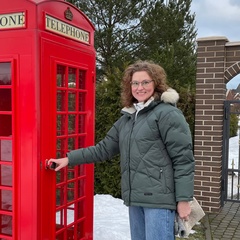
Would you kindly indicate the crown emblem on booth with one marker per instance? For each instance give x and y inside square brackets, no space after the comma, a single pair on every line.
[68,14]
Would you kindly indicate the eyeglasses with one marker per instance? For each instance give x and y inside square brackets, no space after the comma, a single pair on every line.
[144,83]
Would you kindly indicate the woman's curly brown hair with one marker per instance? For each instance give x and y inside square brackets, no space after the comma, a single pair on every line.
[156,73]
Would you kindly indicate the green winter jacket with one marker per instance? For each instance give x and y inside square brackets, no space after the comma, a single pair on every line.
[157,163]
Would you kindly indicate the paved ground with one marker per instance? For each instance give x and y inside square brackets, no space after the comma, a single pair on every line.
[224,225]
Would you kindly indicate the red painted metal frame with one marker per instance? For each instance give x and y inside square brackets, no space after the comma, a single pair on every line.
[34,54]
[75,199]
[7,183]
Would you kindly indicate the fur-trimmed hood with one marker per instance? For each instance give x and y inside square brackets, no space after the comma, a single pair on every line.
[170,96]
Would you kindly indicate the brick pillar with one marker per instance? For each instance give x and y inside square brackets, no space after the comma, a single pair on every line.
[210,94]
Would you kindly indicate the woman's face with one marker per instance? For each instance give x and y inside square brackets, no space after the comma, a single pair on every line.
[142,86]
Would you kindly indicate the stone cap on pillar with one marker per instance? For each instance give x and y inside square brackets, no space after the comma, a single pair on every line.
[213,38]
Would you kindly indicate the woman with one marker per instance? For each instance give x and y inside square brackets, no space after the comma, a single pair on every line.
[155,145]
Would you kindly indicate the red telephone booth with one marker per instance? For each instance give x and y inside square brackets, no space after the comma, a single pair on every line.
[47,84]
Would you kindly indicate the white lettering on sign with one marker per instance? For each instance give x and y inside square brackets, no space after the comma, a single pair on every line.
[14,20]
[65,29]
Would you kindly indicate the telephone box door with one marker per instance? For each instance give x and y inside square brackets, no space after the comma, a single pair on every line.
[67,123]
[7,162]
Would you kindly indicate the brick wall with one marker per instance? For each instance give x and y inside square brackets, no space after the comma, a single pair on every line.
[217,63]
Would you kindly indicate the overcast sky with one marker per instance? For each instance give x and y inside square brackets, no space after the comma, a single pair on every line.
[217,18]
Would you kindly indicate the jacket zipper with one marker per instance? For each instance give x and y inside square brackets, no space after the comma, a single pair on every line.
[129,159]
[162,178]
[161,172]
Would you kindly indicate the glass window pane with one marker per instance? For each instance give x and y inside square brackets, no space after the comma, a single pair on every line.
[6,175]
[81,170]
[5,100]
[61,176]
[81,123]
[61,124]
[80,230]
[6,200]
[71,123]
[71,173]
[82,79]
[81,102]
[72,77]
[60,196]
[70,215]
[61,146]
[5,74]
[80,206]
[71,101]
[71,144]
[6,225]
[70,232]
[60,235]
[81,142]
[81,188]
[61,77]
[61,103]
[70,191]
[60,219]
[5,125]
[5,150]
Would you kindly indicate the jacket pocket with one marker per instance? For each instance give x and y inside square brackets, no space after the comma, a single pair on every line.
[166,179]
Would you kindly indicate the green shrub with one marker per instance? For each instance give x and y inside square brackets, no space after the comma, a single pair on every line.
[233,125]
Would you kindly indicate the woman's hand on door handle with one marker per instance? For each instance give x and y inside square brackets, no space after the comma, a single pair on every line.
[61,162]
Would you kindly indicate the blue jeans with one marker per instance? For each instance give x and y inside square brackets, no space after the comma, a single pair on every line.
[151,223]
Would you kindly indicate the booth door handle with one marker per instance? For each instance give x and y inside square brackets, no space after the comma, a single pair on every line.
[50,166]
